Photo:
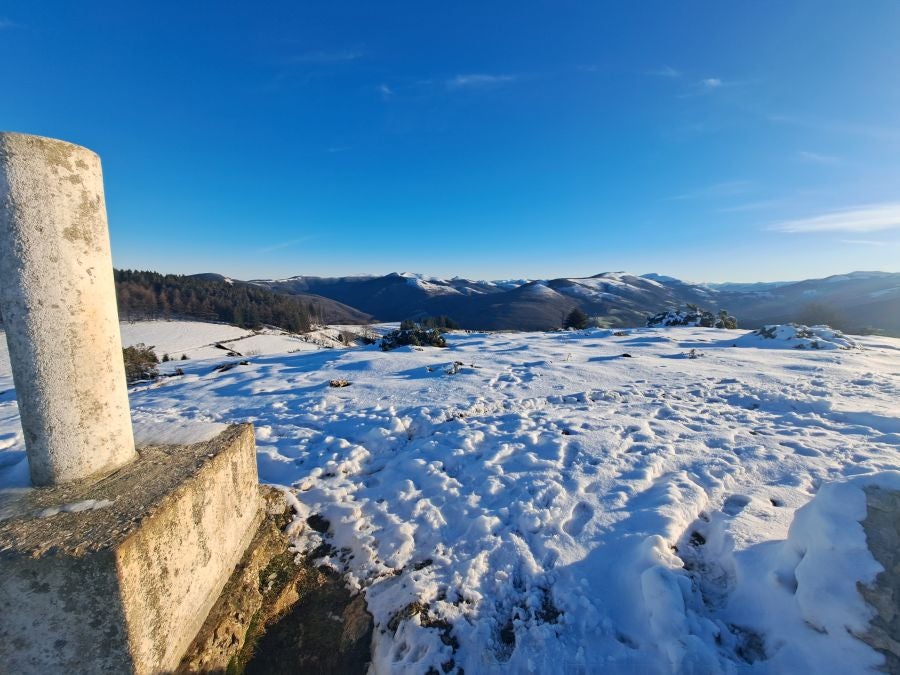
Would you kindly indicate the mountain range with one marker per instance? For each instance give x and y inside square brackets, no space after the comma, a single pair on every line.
[855,302]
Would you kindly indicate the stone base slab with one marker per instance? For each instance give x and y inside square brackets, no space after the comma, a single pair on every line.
[119,574]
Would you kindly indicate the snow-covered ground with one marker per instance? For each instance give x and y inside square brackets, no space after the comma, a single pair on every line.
[541,502]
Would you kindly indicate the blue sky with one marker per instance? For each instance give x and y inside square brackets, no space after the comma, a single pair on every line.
[711,141]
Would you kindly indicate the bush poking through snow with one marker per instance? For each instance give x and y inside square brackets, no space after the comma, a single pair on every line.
[140,362]
[576,319]
[440,322]
[339,383]
[796,336]
[692,315]
[411,334]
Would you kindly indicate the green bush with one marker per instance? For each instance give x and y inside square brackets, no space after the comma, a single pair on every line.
[414,336]
[442,322]
[140,363]
[576,319]
[725,320]
[693,315]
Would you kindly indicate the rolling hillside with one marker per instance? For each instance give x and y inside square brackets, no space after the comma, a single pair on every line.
[857,302]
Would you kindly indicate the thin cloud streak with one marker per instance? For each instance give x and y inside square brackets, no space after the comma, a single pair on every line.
[863,242]
[752,206]
[667,72]
[816,158]
[727,189]
[323,57]
[873,131]
[284,244]
[709,85]
[479,80]
[870,218]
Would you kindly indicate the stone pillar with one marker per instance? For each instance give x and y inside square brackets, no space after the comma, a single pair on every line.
[58,301]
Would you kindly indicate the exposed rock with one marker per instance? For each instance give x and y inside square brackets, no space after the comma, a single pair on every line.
[279,614]
[327,631]
[882,527]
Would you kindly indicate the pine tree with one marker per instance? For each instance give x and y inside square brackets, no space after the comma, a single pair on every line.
[576,319]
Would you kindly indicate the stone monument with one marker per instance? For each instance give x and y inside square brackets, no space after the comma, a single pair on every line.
[113,562]
[59,309]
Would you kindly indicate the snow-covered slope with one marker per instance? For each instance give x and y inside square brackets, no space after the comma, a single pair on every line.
[557,506]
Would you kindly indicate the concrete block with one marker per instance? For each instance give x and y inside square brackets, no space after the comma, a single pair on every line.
[119,574]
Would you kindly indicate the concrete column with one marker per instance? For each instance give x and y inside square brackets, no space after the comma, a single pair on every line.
[58,301]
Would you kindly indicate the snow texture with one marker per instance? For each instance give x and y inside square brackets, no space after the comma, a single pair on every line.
[555,506]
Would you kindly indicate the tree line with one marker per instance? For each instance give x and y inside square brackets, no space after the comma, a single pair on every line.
[150,295]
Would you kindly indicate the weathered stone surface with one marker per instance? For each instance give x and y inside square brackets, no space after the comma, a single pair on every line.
[882,527]
[124,586]
[279,614]
[59,308]
[328,630]
[260,588]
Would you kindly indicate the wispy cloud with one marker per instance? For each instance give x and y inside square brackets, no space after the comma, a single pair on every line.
[869,218]
[864,242]
[7,23]
[719,190]
[324,57]
[752,206]
[668,72]
[284,244]
[479,81]
[873,131]
[708,85]
[817,158]
[385,91]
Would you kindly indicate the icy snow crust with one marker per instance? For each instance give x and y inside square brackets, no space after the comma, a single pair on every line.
[554,506]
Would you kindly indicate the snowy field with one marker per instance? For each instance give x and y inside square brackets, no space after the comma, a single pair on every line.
[541,502]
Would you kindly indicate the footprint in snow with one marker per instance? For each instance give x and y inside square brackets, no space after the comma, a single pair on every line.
[735,504]
[581,514]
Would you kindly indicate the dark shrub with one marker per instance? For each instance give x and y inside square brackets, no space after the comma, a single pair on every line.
[140,363]
[725,320]
[576,319]
[442,322]
[692,315]
[414,336]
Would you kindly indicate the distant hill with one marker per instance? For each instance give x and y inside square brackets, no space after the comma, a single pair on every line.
[620,299]
[211,297]
[860,302]
[856,302]
[324,310]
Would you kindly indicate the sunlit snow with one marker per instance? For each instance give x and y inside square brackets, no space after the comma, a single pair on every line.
[565,502]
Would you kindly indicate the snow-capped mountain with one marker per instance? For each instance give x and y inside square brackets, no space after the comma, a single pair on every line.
[856,301]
